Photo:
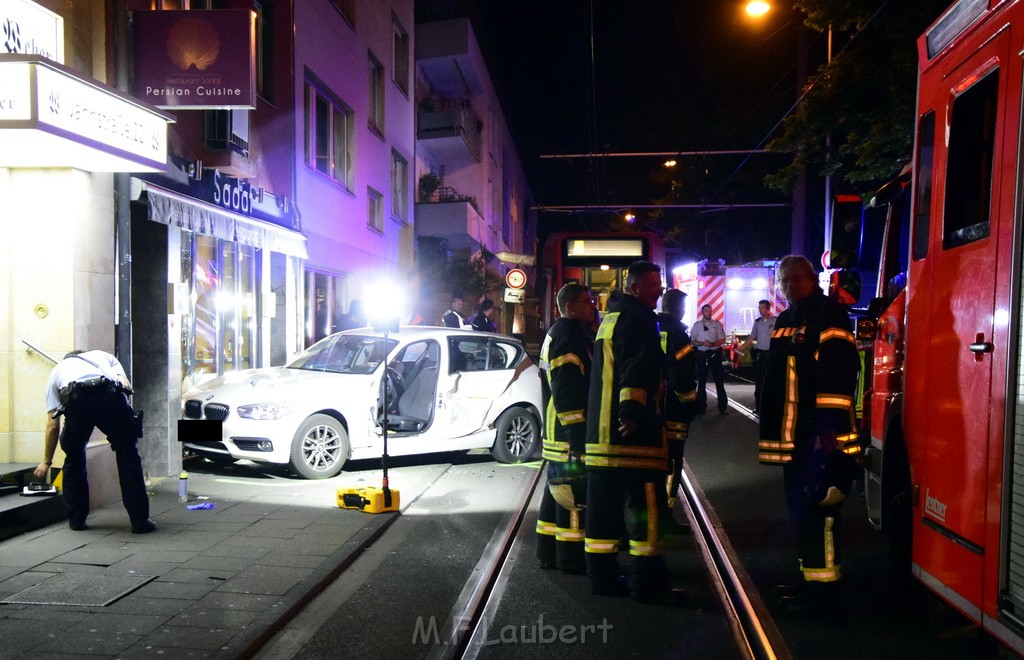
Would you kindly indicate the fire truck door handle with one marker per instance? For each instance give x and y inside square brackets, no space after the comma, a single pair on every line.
[980,345]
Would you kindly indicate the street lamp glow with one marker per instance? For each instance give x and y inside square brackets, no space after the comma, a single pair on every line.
[670,163]
[629,217]
[757,8]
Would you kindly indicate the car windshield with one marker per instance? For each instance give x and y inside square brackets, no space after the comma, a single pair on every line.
[344,354]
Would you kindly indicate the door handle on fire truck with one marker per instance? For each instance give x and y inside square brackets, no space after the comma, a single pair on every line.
[982,346]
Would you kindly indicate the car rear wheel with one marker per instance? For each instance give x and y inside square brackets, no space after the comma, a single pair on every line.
[517,438]
[319,447]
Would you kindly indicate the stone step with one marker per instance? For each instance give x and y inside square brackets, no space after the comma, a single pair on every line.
[19,514]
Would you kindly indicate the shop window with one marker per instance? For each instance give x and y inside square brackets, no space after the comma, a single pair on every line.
[219,333]
[376,89]
[326,298]
[328,135]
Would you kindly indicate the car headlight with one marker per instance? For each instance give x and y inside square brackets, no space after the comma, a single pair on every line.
[264,410]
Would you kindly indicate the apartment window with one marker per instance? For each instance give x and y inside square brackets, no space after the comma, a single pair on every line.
[328,135]
[347,8]
[264,47]
[399,187]
[400,56]
[375,209]
[376,81]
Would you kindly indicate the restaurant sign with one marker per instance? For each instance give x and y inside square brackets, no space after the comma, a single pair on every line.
[199,60]
[28,29]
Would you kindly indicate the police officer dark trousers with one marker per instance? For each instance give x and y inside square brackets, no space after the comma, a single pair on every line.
[106,408]
[89,390]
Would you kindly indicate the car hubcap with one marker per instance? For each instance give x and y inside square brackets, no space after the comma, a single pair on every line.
[320,447]
[519,436]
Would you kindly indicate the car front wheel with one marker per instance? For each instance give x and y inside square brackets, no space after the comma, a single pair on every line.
[517,438]
[319,447]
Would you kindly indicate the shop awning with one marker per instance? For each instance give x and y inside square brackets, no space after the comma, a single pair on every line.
[171,208]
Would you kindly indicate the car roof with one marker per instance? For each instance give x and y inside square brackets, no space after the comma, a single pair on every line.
[410,331]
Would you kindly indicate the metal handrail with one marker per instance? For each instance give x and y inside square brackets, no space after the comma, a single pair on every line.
[40,351]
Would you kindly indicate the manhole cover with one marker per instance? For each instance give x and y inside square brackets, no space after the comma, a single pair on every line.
[80,589]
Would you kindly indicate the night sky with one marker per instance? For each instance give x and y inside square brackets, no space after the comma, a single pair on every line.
[669,76]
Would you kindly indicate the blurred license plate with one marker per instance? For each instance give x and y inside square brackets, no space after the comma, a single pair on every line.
[200,430]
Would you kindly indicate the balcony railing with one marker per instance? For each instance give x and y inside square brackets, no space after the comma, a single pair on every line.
[450,130]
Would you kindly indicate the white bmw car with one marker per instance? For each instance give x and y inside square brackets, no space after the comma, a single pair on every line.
[446,390]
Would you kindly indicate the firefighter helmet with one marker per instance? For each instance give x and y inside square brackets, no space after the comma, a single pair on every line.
[569,492]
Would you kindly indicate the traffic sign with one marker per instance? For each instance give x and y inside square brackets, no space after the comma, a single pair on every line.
[515,296]
[515,278]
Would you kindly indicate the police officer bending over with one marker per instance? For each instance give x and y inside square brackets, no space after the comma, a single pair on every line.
[90,389]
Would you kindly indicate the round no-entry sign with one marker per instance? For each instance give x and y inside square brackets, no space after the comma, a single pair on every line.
[515,278]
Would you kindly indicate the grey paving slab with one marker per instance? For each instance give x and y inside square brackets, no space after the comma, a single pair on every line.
[21,635]
[79,589]
[237,601]
[147,650]
[186,590]
[201,576]
[236,550]
[217,525]
[25,580]
[88,644]
[276,558]
[197,615]
[135,602]
[215,562]
[118,623]
[8,571]
[93,555]
[60,617]
[255,542]
[261,530]
[258,585]
[279,573]
[199,638]
[58,567]
[37,551]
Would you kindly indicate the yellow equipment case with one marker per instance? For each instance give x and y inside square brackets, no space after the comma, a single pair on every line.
[370,499]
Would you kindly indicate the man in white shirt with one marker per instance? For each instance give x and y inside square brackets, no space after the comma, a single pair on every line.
[90,388]
[708,336]
[760,338]
[453,317]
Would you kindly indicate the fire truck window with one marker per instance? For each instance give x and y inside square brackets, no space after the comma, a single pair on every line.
[969,172]
[923,184]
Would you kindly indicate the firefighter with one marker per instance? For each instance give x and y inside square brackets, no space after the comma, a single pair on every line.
[566,357]
[626,454]
[807,426]
[681,390]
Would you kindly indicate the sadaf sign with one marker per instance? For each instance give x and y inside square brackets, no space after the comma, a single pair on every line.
[201,60]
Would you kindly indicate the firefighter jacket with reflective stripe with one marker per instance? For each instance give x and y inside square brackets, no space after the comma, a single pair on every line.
[810,380]
[626,383]
[565,357]
[681,371]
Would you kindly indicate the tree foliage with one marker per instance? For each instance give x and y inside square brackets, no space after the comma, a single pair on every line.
[864,98]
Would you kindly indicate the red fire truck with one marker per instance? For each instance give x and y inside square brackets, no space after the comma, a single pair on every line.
[945,410]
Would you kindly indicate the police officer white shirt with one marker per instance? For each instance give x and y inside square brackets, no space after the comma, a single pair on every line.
[708,330]
[761,333]
[74,368]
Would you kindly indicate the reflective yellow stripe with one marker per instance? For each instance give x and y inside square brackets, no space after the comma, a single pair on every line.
[568,358]
[774,457]
[783,332]
[790,404]
[569,535]
[836,333]
[545,528]
[625,450]
[834,401]
[601,546]
[684,351]
[571,417]
[676,426]
[604,335]
[637,394]
[822,574]
[664,342]
[686,397]
[621,462]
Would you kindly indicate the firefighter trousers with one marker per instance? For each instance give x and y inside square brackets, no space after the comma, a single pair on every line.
[816,528]
[630,500]
[559,532]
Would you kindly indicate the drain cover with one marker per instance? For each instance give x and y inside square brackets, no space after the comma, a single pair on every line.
[80,589]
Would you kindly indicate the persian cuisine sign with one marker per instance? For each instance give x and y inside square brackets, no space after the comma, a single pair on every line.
[200,60]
